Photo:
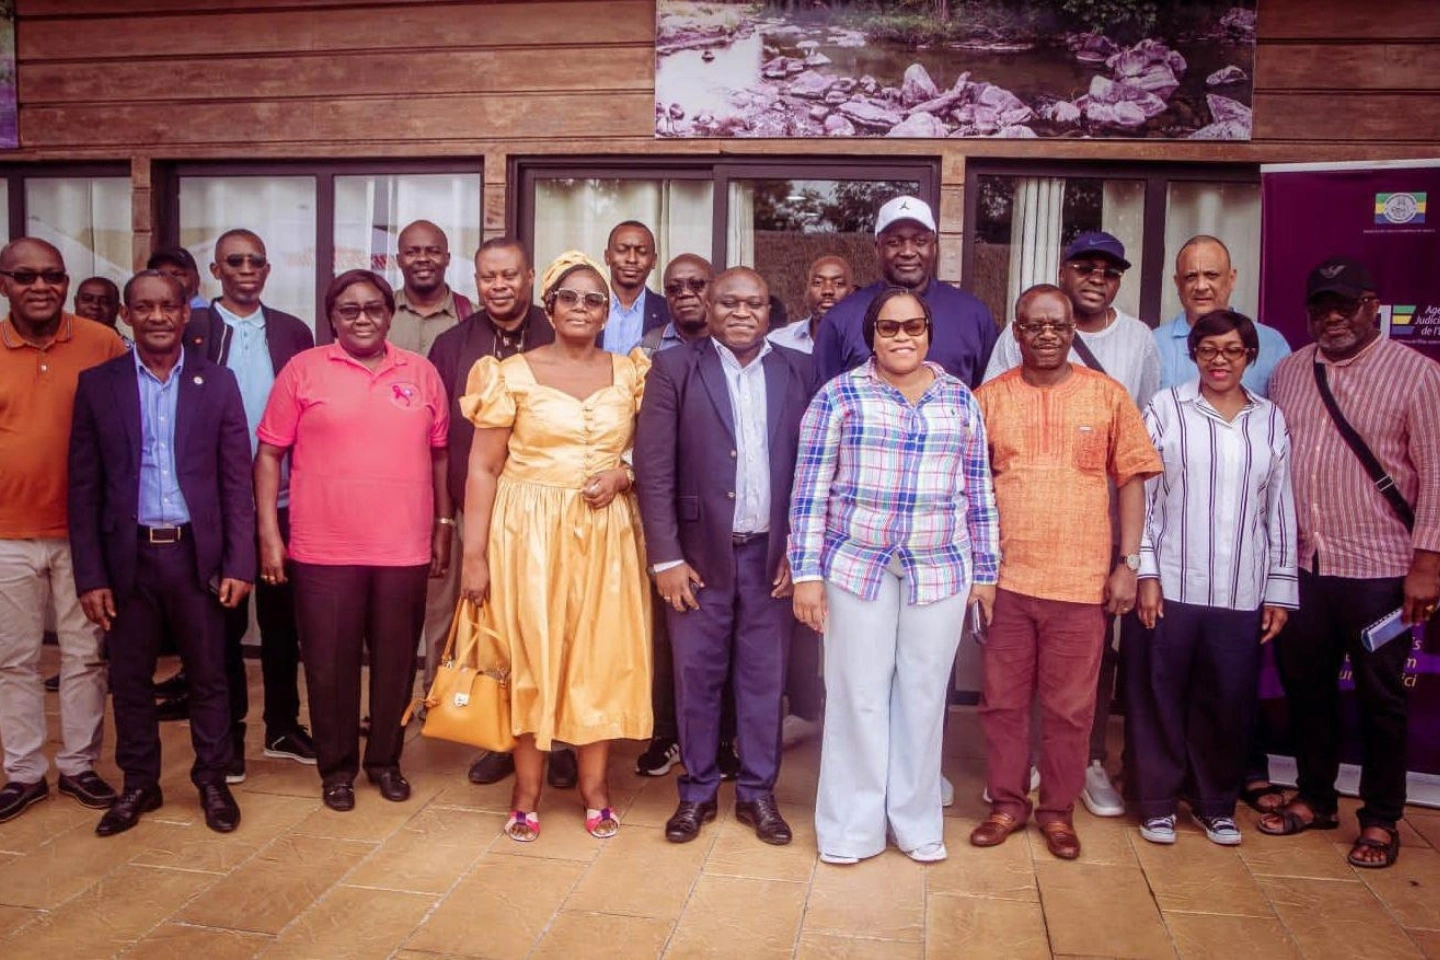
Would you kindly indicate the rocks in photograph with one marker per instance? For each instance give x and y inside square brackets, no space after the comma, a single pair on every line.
[810,85]
[869,85]
[869,114]
[1230,120]
[1062,112]
[779,68]
[1239,24]
[849,39]
[1120,104]
[838,126]
[916,87]
[836,96]
[1091,47]
[1225,76]
[919,125]
[1226,108]
[819,113]
[1017,132]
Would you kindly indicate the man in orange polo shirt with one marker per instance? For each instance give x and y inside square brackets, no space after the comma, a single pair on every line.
[1059,434]
[42,351]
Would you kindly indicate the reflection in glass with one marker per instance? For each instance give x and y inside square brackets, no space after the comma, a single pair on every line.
[88,219]
[370,212]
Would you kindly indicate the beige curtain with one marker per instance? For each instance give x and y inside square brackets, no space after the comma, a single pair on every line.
[1034,235]
[1229,211]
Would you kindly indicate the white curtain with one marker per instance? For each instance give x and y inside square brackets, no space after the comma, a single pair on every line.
[1122,214]
[88,219]
[1229,211]
[741,235]
[1034,234]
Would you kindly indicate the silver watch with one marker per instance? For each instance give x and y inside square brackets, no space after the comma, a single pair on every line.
[1132,560]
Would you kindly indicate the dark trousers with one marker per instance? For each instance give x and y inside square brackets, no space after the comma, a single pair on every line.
[1333,611]
[745,633]
[1106,690]
[662,680]
[279,655]
[342,611]
[804,687]
[1192,711]
[168,598]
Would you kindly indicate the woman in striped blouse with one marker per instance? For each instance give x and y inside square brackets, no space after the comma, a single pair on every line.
[1217,575]
[893,532]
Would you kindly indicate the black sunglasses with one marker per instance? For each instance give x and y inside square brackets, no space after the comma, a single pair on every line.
[237,260]
[26,277]
[694,284]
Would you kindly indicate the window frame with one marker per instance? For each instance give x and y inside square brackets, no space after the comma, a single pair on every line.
[16,174]
[1157,178]
[324,171]
[524,171]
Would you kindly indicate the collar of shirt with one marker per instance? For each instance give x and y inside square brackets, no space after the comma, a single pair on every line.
[255,321]
[1190,392]
[732,364]
[872,373]
[447,306]
[145,371]
[635,309]
[12,339]
[393,358]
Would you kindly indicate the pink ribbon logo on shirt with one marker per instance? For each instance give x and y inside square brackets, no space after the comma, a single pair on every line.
[404,395]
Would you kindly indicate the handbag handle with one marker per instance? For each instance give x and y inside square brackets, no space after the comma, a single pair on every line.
[463,609]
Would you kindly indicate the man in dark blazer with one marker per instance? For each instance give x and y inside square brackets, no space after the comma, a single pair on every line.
[715,454]
[162,529]
[635,309]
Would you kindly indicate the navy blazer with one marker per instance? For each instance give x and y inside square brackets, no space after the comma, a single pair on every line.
[685,455]
[657,311]
[212,461]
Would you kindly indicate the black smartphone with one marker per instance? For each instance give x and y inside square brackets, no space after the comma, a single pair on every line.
[975,622]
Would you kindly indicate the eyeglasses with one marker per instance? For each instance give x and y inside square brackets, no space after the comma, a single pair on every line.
[350,312]
[569,298]
[1345,307]
[694,284]
[1231,352]
[26,277]
[237,260]
[1102,269]
[890,329]
[1033,329]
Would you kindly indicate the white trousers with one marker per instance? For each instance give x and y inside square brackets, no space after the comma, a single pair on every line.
[887,677]
[34,575]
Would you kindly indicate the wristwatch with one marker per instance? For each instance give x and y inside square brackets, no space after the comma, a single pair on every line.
[1132,561]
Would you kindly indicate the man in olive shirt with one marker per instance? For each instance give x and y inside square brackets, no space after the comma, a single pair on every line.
[425,306]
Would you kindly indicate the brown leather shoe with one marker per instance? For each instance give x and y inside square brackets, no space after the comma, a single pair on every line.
[994,829]
[1061,839]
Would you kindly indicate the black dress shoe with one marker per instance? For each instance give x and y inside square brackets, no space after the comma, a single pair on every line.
[393,785]
[491,767]
[87,787]
[684,824]
[173,708]
[125,812]
[16,798]
[727,760]
[339,796]
[173,685]
[561,772]
[222,813]
[762,814]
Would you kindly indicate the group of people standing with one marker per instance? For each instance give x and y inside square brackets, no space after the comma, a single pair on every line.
[661,505]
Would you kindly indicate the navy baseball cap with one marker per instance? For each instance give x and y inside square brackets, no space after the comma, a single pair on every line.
[176,255]
[1345,276]
[1097,241]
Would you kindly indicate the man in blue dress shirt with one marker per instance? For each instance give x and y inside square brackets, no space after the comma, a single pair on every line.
[635,310]
[905,243]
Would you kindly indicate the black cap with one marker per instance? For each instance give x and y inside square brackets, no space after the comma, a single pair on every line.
[1098,241]
[176,255]
[1345,276]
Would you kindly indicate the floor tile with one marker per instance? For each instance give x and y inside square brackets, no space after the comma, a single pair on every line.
[1311,855]
[430,852]
[723,912]
[829,946]
[1198,876]
[982,928]
[172,940]
[13,918]
[1005,872]
[1339,920]
[1128,926]
[194,846]
[659,889]
[277,884]
[739,853]
[284,778]
[352,924]
[54,872]
[44,822]
[114,913]
[512,899]
[596,936]
[1428,941]
[883,897]
[374,818]
[1203,936]
[1410,889]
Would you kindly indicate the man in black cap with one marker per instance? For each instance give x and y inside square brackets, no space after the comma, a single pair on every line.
[1367,501]
[178,263]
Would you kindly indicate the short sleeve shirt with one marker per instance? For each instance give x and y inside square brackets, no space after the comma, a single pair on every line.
[1054,451]
[361,481]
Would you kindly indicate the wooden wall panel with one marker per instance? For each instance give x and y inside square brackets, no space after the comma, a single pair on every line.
[1360,66]
[1348,20]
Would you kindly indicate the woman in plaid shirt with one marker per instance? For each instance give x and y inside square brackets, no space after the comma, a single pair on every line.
[893,533]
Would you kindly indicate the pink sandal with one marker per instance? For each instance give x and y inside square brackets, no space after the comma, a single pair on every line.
[602,824]
[523,827]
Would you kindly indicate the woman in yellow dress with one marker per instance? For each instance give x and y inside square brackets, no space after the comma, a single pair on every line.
[552,536]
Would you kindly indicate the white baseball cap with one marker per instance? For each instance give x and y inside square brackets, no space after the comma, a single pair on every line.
[904,208]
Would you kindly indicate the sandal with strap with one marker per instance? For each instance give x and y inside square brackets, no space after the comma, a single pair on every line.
[1390,848]
[1291,822]
[601,824]
[523,827]
[1253,797]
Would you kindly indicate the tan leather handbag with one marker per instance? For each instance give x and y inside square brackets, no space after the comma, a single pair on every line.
[469,701]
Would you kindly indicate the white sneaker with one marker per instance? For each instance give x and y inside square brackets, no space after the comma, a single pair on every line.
[1221,830]
[928,853]
[1099,795]
[1034,784]
[837,859]
[1159,829]
[796,730]
[947,792]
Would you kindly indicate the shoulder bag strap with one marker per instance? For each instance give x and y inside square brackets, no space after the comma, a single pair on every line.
[1382,480]
[1086,354]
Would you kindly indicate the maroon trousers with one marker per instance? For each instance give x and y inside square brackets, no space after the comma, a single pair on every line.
[1050,650]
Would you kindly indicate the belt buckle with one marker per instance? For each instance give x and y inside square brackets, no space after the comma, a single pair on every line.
[165,534]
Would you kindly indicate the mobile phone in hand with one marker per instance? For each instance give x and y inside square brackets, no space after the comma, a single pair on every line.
[975,622]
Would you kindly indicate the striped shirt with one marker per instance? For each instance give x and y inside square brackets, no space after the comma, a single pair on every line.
[1391,396]
[879,477]
[1220,521]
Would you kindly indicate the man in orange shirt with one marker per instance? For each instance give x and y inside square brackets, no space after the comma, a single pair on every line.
[42,351]
[1058,434]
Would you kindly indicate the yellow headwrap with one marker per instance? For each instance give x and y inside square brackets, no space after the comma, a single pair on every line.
[567,260]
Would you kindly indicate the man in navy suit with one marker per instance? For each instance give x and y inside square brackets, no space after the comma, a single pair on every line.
[715,453]
[162,529]
[635,309]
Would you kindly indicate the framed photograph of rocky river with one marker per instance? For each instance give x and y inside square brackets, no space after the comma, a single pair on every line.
[1169,69]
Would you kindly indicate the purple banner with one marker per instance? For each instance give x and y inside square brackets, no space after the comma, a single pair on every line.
[1377,213]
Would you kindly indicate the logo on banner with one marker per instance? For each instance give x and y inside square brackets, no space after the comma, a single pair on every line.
[1399,208]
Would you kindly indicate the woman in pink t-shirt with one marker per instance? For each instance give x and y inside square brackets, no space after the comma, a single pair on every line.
[364,423]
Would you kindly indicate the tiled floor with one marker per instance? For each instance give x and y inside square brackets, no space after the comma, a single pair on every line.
[435,878]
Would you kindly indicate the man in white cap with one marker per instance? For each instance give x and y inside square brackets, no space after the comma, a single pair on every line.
[905,243]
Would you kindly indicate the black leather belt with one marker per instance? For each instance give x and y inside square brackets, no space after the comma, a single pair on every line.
[164,535]
[740,539]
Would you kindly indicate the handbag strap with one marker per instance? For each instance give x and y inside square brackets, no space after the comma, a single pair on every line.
[465,608]
[1382,480]
[1086,354]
